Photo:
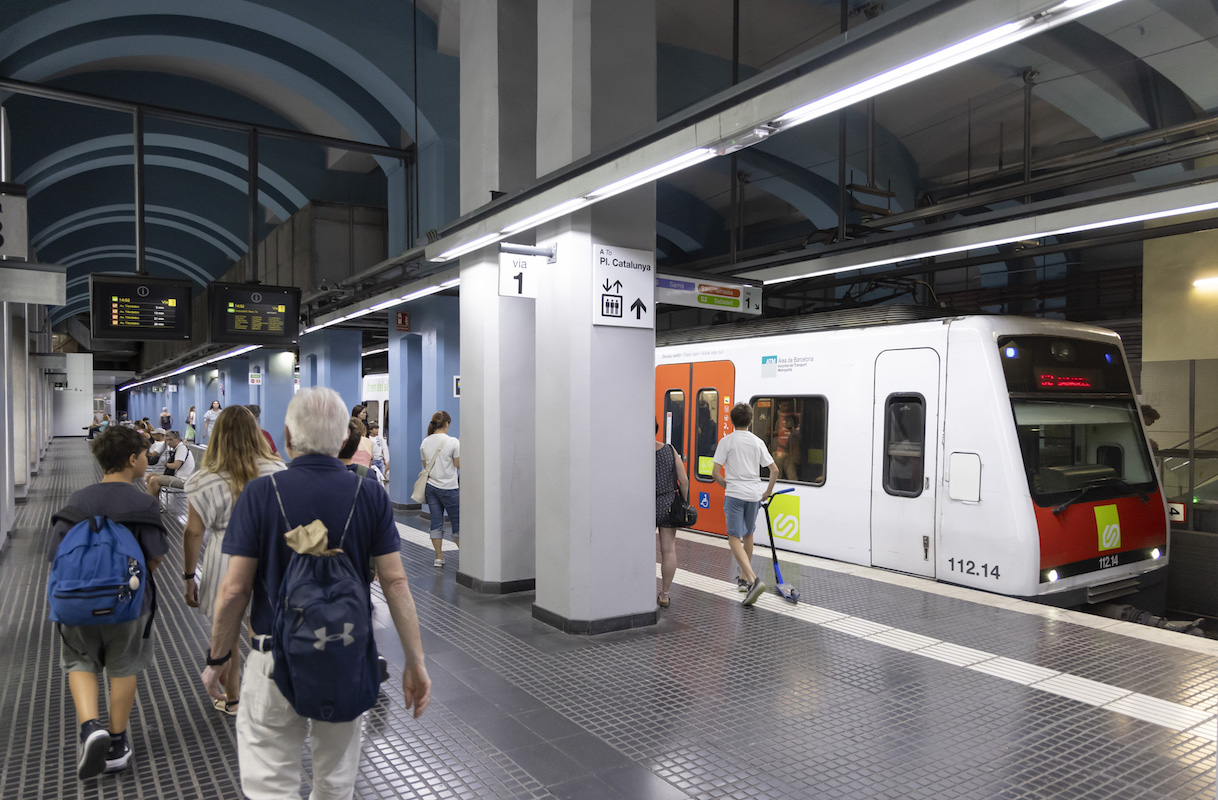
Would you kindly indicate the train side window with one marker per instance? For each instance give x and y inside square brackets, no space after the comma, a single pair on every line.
[706,434]
[904,439]
[795,430]
[674,410]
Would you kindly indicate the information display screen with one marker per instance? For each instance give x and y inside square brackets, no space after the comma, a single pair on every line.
[138,307]
[251,314]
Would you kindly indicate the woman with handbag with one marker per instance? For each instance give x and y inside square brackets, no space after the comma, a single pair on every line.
[672,496]
[441,456]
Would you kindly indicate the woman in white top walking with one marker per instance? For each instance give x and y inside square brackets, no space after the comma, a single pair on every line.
[238,453]
[209,418]
[443,453]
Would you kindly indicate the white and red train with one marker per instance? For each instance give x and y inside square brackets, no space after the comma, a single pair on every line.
[1000,453]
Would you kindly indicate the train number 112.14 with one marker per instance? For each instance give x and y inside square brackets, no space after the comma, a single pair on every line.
[972,568]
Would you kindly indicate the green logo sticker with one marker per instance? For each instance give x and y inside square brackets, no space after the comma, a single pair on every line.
[706,466]
[1108,526]
[784,517]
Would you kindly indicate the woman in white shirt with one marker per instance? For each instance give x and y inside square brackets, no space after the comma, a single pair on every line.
[443,453]
[237,454]
[209,418]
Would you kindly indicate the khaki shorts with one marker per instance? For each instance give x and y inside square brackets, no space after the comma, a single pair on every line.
[120,650]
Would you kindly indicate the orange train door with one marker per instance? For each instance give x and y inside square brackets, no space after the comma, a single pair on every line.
[693,403]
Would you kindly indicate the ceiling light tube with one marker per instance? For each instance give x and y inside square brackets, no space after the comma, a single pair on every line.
[1206,283]
[652,173]
[375,352]
[193,365]
[562,209]
[481,241]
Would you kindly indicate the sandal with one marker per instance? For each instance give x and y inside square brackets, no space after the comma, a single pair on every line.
[662,600]
[226,706]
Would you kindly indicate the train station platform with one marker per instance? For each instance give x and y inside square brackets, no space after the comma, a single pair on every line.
[876,685]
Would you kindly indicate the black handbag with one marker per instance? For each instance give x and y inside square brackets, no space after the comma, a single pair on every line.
[687,514]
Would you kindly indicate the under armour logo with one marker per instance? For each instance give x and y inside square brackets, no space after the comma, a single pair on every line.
[345,637]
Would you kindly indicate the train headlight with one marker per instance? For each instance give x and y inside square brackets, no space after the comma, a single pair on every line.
[1052,576]
[1155,553]
[1011,352]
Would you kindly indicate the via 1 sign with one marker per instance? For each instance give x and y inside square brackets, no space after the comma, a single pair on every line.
[518,275]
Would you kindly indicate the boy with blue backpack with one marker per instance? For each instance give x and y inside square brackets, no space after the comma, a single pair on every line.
[106,543]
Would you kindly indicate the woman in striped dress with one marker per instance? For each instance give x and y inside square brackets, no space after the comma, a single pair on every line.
[237,454]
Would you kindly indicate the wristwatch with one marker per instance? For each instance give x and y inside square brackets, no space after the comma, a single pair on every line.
[215,662]
[188,576]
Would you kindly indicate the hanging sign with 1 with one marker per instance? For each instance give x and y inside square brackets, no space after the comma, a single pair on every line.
[623,291]
[518,275]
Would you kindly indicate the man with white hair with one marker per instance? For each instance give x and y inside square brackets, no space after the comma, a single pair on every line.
[316,486]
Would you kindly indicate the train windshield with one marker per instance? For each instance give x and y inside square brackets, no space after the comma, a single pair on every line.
[1072,444]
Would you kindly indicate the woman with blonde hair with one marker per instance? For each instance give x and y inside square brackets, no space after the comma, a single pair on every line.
[237,454]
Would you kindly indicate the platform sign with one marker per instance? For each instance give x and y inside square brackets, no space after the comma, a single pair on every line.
[623,291]
[14,227]
[714,295]
[255,379]
[401,321]
[1175,512]
[518,275]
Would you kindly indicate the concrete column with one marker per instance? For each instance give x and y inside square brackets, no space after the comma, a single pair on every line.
[333,359]
[498,152]
[19,371]
[8,504]
[278,369]
[406,421]
[235,375]
[595,535]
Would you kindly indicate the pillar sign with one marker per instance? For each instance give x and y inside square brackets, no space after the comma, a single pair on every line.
[14,230]
[623,293]
[401,321]
[518,275]
[713,295]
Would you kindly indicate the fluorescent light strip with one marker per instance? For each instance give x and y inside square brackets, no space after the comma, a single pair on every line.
[1090,226]
[375,352]
[652,173]
[194,365]
[481,241]
[1206,283]
[393,301]
[545,216]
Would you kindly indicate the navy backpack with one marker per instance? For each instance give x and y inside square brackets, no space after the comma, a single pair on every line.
[99,575]
[325,653]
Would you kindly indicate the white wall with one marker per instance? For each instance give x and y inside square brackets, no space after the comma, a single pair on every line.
[74,405]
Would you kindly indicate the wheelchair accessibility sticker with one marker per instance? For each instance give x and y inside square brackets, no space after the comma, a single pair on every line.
[703,499]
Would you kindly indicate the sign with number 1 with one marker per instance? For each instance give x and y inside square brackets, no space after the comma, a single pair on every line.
[518,275]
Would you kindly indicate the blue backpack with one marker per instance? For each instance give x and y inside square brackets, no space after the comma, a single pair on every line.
[99,575]
[325,653]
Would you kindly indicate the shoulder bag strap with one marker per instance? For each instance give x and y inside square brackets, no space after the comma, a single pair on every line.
[675,460]
[434,457]
[358,485]
[282,510]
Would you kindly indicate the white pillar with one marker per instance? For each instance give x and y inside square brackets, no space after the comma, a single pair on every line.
[498,143]
[596,486]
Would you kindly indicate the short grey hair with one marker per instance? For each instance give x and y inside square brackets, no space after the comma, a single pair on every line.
[317,421]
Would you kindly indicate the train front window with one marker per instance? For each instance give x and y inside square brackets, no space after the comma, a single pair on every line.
[1070,445]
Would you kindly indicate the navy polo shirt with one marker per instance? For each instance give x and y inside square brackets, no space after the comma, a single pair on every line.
[312,487]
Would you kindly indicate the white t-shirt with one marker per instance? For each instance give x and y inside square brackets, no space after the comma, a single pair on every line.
[180,453]
[157,447]
[378,448]
[742,455]
[444,474]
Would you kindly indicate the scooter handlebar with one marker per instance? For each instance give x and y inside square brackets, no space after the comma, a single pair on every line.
[775,494]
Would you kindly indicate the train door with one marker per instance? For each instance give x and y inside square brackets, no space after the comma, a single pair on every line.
[904,453]
[693,404]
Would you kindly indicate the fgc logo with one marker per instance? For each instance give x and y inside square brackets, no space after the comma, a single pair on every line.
[1108,526]
[784,517]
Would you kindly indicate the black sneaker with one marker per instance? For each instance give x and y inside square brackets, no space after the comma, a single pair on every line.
[741,584]
[384,664]
[94,742]
[119,754]
[755,590]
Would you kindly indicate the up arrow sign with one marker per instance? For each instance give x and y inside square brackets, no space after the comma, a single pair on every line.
[624,286]
[638,308]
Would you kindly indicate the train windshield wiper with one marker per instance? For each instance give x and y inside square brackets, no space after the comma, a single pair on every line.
[1110,482]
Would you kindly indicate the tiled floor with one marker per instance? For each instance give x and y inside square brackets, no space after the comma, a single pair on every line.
[865,689]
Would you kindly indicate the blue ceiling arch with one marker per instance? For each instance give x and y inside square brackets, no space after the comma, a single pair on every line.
[126,211]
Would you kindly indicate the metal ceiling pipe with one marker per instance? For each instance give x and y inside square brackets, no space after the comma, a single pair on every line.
[141,267]
[252,197]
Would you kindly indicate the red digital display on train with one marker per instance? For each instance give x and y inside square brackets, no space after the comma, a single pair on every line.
[1049,380]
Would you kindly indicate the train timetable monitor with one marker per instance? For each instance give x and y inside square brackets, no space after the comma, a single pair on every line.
[139,307]
[252,314]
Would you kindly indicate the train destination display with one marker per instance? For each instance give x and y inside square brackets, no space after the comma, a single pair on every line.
[252,314]
[139,307]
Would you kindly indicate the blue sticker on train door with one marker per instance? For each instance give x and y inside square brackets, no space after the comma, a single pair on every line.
[704,499]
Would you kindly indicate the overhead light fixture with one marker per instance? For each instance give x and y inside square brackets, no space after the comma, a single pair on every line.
[377,351]
[1206,283]
[557,211]
[652,173]
[481,241]
[1089,226]
[193,365]
[384,304]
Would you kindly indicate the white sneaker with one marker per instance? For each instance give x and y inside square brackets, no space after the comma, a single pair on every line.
[439,562]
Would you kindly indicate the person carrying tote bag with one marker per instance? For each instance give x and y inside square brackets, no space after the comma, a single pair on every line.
[441,492]
[671,486]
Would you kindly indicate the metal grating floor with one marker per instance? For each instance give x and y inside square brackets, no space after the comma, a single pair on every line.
[865,690]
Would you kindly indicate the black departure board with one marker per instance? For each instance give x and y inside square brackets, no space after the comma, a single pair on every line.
[139,307]
[243,313]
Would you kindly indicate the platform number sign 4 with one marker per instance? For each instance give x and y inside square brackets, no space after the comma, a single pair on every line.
[518,275]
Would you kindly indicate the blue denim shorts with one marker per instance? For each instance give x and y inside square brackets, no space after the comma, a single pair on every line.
[441,500]
[741,516]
